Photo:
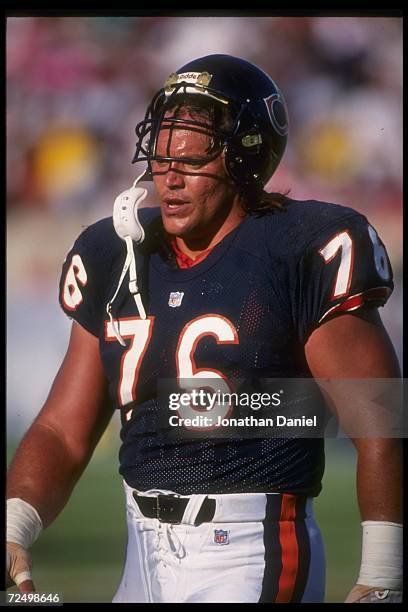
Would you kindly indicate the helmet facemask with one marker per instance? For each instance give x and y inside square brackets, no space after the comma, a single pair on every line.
[249,121]
[227,125]
[164,114]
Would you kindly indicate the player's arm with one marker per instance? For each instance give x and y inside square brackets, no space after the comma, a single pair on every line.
[56,449]
[356,346]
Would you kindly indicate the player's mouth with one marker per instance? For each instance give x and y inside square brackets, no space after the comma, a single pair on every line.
[173,206]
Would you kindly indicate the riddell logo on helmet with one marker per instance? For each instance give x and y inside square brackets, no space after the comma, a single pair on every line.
[195,78]
[277,113]
[202,78]
[190,76]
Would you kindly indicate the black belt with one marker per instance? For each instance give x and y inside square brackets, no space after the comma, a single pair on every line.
[170,509]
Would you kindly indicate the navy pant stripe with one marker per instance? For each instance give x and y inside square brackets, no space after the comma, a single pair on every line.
[273,551]
[303,541]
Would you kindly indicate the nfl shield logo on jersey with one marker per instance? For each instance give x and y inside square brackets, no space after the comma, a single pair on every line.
[221,536]
[175,298]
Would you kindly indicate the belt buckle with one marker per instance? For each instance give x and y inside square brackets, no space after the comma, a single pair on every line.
[165,509]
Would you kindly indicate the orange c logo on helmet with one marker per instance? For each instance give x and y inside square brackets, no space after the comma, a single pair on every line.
[277,113]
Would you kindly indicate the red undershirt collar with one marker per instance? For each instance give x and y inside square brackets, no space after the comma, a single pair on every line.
[183,260]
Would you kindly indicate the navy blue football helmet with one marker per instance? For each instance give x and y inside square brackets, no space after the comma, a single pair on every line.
[255,143]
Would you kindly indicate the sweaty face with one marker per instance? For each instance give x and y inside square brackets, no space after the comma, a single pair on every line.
[199,203]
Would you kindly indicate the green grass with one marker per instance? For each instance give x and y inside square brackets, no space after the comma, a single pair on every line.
[81,554]
[337,514]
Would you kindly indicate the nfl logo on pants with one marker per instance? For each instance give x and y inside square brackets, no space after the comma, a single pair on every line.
[221,537]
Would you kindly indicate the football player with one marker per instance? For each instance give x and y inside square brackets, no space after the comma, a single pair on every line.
[222,283]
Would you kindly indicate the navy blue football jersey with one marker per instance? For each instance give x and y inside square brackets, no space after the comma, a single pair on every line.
[244,312]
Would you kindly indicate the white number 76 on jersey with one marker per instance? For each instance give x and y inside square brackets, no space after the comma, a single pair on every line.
[139,331]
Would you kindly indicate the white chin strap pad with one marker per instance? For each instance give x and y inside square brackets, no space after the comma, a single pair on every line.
[125,215]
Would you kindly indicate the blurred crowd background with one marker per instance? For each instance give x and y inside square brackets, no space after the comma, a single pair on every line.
[76,87]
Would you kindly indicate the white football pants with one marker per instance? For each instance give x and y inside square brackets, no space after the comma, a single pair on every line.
[257,548]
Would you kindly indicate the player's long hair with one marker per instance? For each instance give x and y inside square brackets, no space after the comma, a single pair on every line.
[255,200]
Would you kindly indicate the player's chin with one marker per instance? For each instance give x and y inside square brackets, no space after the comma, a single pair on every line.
[177,226]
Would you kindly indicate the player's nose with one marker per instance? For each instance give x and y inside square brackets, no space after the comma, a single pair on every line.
[175,176]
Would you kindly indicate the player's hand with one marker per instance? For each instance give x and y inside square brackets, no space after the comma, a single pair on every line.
[366,594]
[18,568]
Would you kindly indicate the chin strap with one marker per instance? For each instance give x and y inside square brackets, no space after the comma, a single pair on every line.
[130,261]
[133,288]
[130,264]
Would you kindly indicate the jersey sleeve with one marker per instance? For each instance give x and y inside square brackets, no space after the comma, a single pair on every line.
[79,288]
[345,267]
